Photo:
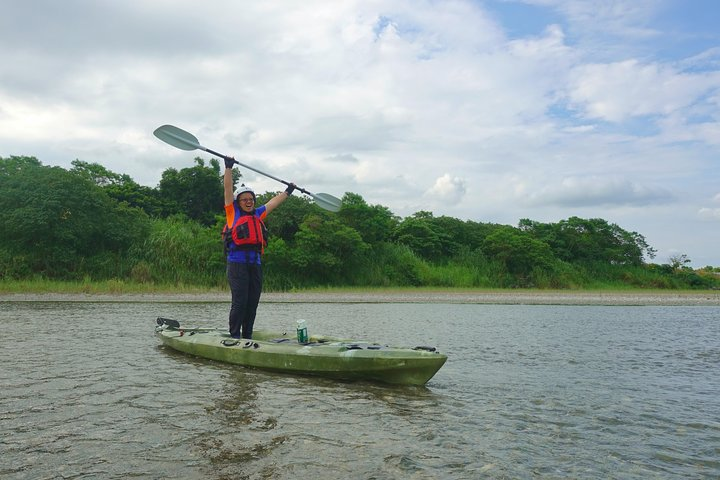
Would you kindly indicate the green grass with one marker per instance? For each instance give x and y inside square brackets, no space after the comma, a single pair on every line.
[119,287]
[116,287]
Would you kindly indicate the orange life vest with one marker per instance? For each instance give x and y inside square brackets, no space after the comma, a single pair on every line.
[247,233]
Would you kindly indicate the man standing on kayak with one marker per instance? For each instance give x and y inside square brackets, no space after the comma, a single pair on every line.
[245,238]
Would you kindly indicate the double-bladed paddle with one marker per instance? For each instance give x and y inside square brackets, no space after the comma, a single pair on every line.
[183,140]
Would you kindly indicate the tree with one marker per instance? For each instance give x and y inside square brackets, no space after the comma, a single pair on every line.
[417,233]
[99,175]
[58,221]
[434,239]
[285,221]
[196,192]
[327,251]
[679,262]
[374,223]
[16,164]
[578,240]
[121,187]
[518,251]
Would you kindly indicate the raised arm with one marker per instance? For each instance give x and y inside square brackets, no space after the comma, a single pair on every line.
[279,198]
[228,183]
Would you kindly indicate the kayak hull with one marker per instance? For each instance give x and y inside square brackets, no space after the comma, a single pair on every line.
[321,356]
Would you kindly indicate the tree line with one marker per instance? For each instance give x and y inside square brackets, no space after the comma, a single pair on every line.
[90,223]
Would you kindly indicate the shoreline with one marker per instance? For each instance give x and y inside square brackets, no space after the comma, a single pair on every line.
[705,298]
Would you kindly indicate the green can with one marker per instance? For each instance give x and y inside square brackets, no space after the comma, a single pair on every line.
[302,335]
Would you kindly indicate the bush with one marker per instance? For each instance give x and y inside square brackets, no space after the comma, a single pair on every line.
[181,251]
[141,272]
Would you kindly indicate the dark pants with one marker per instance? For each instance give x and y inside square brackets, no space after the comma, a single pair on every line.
[245,281]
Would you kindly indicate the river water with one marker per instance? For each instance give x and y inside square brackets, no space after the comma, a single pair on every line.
[527,392]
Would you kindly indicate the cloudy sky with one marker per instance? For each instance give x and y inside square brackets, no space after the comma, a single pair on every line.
[490,110]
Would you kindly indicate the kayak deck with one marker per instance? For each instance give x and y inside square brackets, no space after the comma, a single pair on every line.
[323,356]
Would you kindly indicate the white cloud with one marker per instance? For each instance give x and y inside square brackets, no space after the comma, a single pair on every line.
[707,59]
[598,191]
[616,91]
[447,189]
[709,213]
[624,18]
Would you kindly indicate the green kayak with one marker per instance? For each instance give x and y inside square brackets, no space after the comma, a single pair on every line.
[321,355]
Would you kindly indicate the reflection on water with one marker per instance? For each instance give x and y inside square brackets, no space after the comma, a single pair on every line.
[311,423]
[528,391]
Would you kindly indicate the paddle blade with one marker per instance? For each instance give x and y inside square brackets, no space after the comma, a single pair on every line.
[177,137]
[327,201]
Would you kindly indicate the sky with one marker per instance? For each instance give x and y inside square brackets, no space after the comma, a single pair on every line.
[491,111]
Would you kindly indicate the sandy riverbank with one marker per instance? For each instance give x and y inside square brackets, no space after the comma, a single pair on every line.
[510,297]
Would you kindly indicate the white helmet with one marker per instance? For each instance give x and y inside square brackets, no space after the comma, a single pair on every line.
[244,189]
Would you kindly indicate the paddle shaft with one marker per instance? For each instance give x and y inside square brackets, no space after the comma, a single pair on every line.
[255,170]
